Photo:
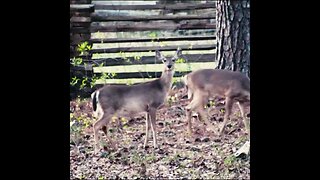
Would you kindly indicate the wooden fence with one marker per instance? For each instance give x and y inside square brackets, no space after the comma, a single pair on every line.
[124,37]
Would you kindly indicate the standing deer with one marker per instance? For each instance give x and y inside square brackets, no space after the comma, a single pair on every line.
[206,83]
[125,100]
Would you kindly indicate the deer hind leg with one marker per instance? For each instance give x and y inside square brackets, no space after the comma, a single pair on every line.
[228,107]
[188,114]
[198,102]
[202,98]
[244,118]
[152,113]
[203,114]
[191,107]
[147,129]
[119,124]
[105,130]
[102,123]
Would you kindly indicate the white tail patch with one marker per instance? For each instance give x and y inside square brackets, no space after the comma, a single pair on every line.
[97,96]
[98,111]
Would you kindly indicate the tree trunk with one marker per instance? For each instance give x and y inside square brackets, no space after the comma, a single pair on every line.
[233,35]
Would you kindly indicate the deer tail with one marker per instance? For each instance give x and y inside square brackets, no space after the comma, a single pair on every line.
[94,97]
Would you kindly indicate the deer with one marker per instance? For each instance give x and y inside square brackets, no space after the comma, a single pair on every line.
[128,100]
[203,84]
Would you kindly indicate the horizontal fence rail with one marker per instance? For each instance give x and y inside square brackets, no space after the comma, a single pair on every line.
[196,21]
[178,6]
[141,26]
[102,18]
[158,39]
[147,49]
[148,60]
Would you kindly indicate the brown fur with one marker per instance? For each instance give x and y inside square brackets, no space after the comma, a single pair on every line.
[125,100]
[206,83]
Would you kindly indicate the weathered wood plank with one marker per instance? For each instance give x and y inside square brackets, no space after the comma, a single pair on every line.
[153,67]
[149,60]
[177,6]
[181,38]
[145,74]
[83,30]
[129,81]
[76,19]
[80,1]
[80,24]
[142,26]
[99,17]
[81,7]
[80,14]
[153,48]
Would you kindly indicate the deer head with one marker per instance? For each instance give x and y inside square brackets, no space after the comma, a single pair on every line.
[168,61]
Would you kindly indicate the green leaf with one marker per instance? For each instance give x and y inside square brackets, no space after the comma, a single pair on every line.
[181,60]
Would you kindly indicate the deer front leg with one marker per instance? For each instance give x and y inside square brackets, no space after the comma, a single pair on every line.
[228,107]
[189,109]
[203,114]
[147,129]
[152,113]
[202,99]
[96,127]
[105,130]
[119,124]
[244,118]
[102,123]
[198,104]
[188,114]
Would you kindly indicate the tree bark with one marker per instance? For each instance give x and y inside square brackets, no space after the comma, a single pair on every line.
[233,35]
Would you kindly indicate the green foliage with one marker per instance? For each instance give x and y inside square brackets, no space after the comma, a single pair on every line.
[76,61]
[93,80]
[84,48]
[171,99]
[82,121]
[137,58]
[74,81]
[136,158]
[228,161]
[181,60]
[129,82]
[212,103]
[123,55]
[83,82]
[104,76]
[174,81]
[150,158]
[82,177]
[153,35]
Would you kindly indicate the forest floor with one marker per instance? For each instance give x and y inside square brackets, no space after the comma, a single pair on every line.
[202,155]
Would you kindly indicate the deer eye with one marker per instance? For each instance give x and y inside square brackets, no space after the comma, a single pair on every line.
[173,60]
[164,60]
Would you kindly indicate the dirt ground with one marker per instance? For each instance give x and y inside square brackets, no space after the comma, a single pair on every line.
[202,155]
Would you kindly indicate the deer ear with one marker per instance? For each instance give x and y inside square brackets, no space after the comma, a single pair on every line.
[178,52]
[158,54]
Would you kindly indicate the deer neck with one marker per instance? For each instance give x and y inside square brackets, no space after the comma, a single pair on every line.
[166,78]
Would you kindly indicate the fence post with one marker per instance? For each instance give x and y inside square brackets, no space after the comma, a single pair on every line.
[80,21]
